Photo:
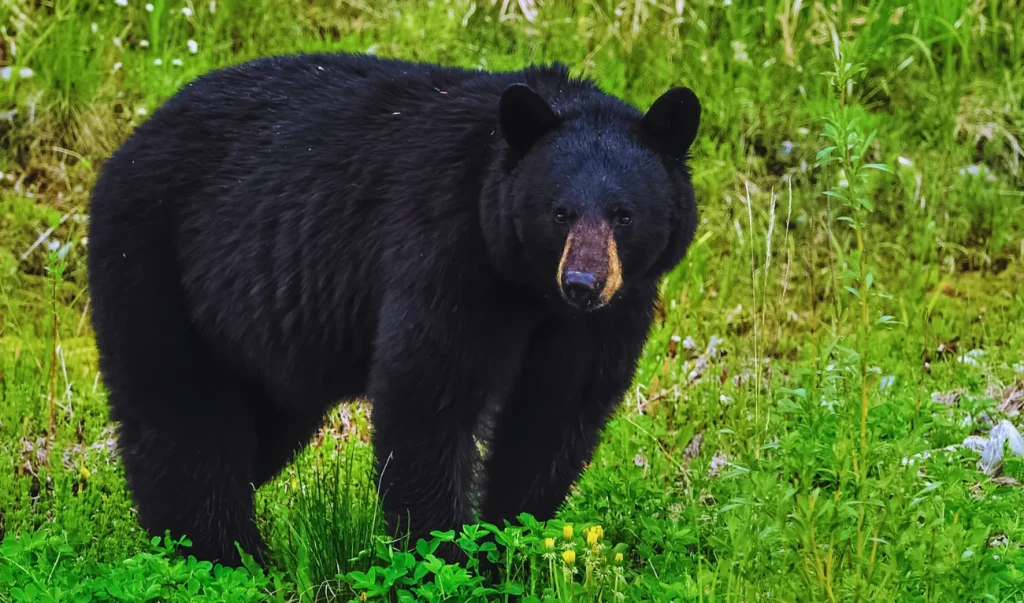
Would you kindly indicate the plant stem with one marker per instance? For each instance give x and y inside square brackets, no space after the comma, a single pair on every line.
[862,344]
[53,361]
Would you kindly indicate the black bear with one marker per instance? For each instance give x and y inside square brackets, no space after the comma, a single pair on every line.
[449,244]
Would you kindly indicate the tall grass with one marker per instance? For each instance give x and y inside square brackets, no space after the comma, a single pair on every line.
[334,519]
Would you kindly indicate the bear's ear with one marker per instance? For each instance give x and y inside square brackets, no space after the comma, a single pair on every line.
[672,121]
[524,117]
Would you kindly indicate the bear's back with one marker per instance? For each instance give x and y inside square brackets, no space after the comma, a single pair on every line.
[284,184]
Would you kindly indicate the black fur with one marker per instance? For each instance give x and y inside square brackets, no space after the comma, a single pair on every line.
[294,231]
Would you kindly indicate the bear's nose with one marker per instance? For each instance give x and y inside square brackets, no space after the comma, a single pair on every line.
[581,288]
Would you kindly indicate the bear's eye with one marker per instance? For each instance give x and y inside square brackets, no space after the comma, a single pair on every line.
[561,215]
[623,218]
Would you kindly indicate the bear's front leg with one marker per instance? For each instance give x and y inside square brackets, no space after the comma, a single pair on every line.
[425,461]
[433,373]
[574,374]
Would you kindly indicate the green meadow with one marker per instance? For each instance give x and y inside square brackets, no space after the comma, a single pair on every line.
[827,406]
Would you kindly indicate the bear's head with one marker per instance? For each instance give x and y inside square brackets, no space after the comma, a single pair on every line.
[594,195]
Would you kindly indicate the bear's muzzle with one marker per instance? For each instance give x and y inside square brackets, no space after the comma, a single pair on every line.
[589,273]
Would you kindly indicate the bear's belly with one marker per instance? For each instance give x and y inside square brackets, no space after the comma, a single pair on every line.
[305,353]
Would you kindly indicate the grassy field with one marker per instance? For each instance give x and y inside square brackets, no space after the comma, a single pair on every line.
[849,314]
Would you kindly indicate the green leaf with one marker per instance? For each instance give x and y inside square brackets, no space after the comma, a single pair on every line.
[424,548]
[418,573]
[826,152]
[514,588]
[529,521]
[446,536]
[468,545]
[684,436]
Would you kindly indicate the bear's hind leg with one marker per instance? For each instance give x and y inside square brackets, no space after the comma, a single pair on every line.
[187,435]
[192,473]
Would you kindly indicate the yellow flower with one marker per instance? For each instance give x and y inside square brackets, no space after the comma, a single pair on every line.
[567,531]
[549,543]
[618,557]
[593,534]
[569,556]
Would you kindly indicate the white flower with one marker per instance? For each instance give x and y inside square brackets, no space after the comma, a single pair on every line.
[117,66]
[5,74]
[713,344]
[177,62]
[158,62]
[149,8]
[699,367]
[739,52]
[141,111]
[193,46]
[94,27]
[717,463]
[186,11]
[143,43]
[975,353]
[117,42]
[25,73]
[213,6]
[904,161]
[121,2]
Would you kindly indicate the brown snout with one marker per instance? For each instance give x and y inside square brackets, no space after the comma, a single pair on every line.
[589,273]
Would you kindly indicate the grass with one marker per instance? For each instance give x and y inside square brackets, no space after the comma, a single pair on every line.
[849,313]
